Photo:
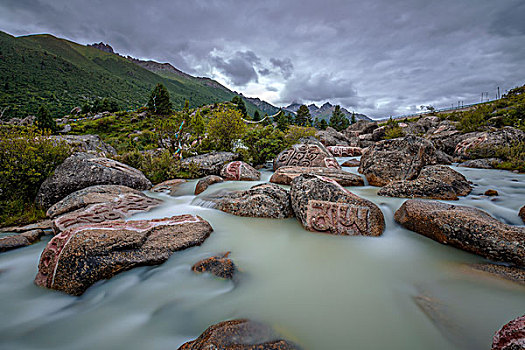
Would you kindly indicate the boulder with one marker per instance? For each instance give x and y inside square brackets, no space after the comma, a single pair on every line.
[209,163]
[239,334]
[118,208]
[284,175]
[169,186]
[83,170]
[86,143]
[218,265]
[434,181]
[41,225]
[239,171]
[311,154]
[87,196]
[466,228]
[491,193]
[21,240]
[343,151]
[78,257]
[486,143]
[351,163]
[511,336]
[331,137]
[522,213]
[485,163]
[379,133]
[397,159]
[322,205]
[260,201]
[204,183]
[361,127]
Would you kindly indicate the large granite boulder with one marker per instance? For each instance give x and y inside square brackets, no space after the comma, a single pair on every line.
[361,127]
[87,196]
[397,159]
[78,257]
[219,265]
[511,336]
[86,143]
[345,151]
[206,182]
[322,205]
[83,170]
[307,154]
[486,143]
[522,213]
[209,163]
[260,201]
[239,335]
[332,137]
[434,182]
[284,175]
[239,171]
[118,208]
[20,240]
[466,228]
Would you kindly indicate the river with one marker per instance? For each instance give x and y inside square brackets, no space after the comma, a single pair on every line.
[321,291]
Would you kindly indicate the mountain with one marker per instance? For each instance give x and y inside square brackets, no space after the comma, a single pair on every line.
[39,69]
[264,106]
[325,111]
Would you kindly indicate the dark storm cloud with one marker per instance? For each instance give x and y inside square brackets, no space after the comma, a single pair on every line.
[379,57]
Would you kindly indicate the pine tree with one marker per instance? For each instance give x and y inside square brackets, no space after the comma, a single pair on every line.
[159,100]
[44,120]
[256,116]
[197,124]
[323,124]
[240,105]
[303,116]
[352,120]
[282,121]
[338,120]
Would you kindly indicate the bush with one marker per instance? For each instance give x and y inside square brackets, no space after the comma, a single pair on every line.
[263,144]
[393,132]
[295,133]
[224,128]
[473,120]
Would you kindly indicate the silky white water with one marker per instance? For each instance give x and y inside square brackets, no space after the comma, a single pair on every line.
[321,291]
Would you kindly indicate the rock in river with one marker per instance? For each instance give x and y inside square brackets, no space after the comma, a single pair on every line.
[323,205]
[206,182]
[78,257]
[522,213]
[169,186]
[466,228]
[21,240]
[311,154]
[284,175]
[260,201]
[240,171]
[511,336]
[220,266]
[209,163]
[83,170]
[239,335]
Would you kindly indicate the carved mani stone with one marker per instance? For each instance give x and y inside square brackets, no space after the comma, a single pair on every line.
[345,151]
[240,171]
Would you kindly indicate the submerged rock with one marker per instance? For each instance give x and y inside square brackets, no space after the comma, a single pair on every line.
[83,170]
[311,154]
[78,257]
[218,265]
[342,151]
[466,228]
[169,186]
[118,208]
[239,335]
[21,240]
[260,201]
[435,182]
[204,183]
[322,205]
[209,163]
[284,175]
[240,171]
[509,273]
[511,336]
[397,159]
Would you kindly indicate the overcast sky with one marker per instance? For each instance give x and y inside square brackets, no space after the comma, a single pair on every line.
[378,57]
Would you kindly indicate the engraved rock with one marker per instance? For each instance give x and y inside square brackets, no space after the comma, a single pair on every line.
[322,205]
[466,228]
[220,266]
[206,182]
[342,151]
[308,154]
[284,175]
[80,256]
[511,336]
[240,171]
[83,170]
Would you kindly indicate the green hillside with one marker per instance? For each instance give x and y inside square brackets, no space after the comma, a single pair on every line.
[40,69]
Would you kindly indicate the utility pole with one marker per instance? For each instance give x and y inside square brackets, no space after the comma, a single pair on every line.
[498,94]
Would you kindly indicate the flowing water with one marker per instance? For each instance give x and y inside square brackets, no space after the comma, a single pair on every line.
[321,291]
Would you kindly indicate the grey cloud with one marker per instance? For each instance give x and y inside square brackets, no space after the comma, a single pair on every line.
[318,88]
[239,68]
[285,65]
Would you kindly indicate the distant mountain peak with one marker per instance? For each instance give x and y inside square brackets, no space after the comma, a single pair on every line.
[325,111]
[102,47]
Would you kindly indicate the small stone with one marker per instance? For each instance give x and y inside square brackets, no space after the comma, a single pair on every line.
[218,265]
[351,163]
[491,193]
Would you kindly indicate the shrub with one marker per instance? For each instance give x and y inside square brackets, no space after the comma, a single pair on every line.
[474,120]
[295,133]
[262,144]
[393,132]
[224,128]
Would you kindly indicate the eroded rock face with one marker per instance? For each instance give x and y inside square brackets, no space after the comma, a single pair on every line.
[219,265]
[78,257]
[240,171]
[511,336]
[285,175]
[169,186]
[466,228]
[522,213]
[397,159]
[239,335]
[83,170]
[21,240]
[206,182]
[434,182]
[312,154]
[489,141]
[118,208]
[210,163]
[322,205]
[260,201]
[342,151]
[89,195]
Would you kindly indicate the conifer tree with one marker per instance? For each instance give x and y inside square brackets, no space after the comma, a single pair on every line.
[338,120]
[159,100]
[44,120]
[303,116]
